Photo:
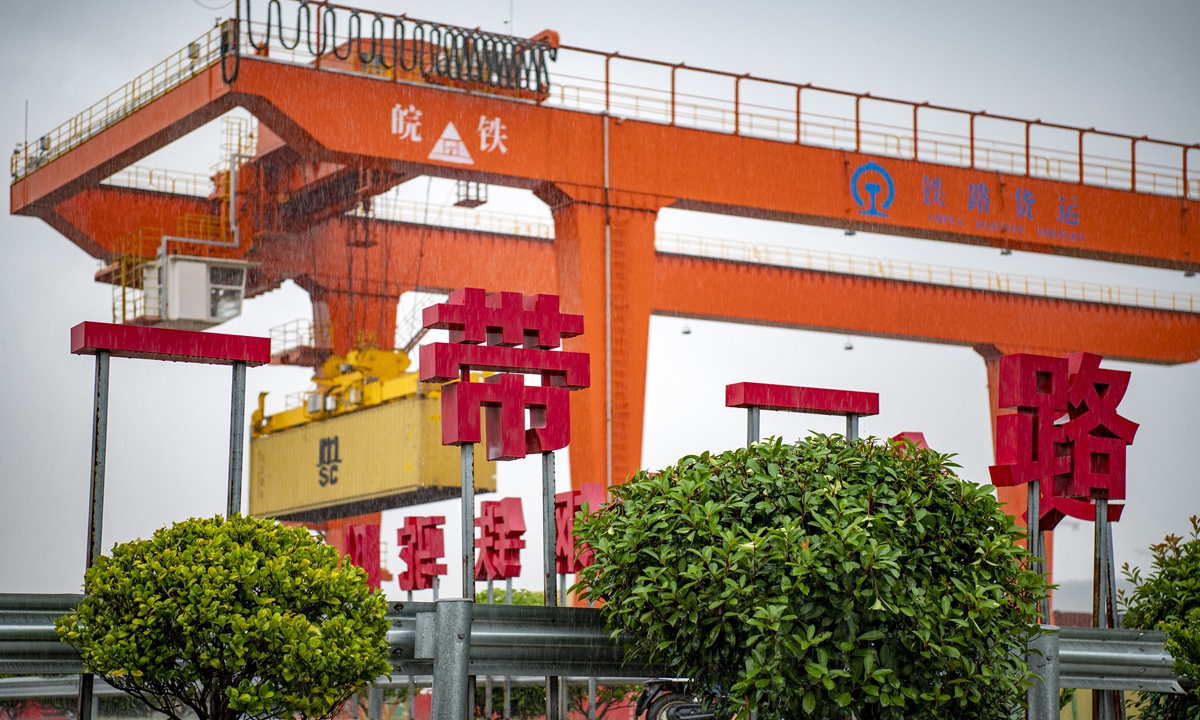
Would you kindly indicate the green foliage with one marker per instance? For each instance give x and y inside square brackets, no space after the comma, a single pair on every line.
[520,597]
[1169,600]
[1065,696]
[820,579]
[239,618]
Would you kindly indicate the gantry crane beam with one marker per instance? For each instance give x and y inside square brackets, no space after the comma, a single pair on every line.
[99,219]
[402,256]
[605,180]
[345,118]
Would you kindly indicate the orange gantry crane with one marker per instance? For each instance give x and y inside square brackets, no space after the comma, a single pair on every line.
[351,104]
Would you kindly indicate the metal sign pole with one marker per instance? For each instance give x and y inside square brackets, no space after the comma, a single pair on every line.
[1115,621]
[1103,699]
[753,428]
[487,698]
[851,427]
[507,684]
[237,421]
[549,538]
[1036,540]
[467,464]
[96,502]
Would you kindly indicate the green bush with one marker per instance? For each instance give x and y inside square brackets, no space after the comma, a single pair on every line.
[240,618]
[1169,600]
[820,579]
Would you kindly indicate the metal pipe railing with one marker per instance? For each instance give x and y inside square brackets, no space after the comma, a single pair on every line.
[1127,172]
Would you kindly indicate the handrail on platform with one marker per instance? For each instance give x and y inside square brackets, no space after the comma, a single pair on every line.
[667,105]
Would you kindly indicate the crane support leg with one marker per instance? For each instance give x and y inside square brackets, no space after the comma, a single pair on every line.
[607,272]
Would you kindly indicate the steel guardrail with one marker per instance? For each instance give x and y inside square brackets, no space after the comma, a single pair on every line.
[1114,659]
[565,641]
[505,639]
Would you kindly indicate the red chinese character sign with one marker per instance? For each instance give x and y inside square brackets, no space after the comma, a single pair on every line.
[422,544]
[1078,460]
[362,545]
[513,336]
[501,527]
[1062,436]
[505,321]
[566,506]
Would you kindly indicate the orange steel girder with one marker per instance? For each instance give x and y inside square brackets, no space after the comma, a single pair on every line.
[400,257]
[697,169]
[605,180]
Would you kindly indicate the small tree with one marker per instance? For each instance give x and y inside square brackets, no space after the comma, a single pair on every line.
[821,579]
[1168,599]
[238,618]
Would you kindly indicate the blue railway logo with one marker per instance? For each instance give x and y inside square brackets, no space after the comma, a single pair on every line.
[874,205]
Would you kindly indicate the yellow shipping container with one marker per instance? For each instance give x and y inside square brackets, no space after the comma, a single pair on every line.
[372,459]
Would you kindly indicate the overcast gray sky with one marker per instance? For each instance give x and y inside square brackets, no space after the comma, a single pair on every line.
[1125,67]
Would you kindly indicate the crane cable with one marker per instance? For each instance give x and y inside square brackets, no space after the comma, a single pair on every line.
[432,49]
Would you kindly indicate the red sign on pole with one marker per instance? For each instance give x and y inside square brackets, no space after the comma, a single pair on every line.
[501,526]
[566,506]
[362,545]
[819,401]
[503,321]
[1077,461]
[422,543]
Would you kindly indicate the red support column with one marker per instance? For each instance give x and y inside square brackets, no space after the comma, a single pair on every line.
[357,320]
[579,220]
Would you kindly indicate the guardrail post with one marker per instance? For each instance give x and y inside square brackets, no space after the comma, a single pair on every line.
[375,703]
[1042,696]
[452,660]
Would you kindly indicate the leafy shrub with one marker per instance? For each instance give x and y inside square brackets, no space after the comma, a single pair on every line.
[820,579]
[239,618]
[1169,600]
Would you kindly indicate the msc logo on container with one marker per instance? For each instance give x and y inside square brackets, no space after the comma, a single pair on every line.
[328,459]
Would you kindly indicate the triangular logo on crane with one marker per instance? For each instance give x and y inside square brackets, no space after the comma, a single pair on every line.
[451,148]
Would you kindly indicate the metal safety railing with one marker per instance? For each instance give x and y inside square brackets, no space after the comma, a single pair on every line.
[1112,660]
[805,114]
[505,639]
[68,687]
[808,259]
[562,641]
[657,91]
[390,207]
[176,182]
[925,273]
[169,74]
[293,334]
[1096,659]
